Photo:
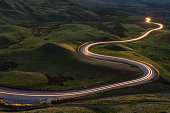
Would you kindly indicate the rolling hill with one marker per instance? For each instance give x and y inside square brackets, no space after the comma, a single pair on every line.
[39,43]
[140,7]
[12,11]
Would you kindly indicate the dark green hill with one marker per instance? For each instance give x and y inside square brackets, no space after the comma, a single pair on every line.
[12,11]
[140,7]
[64,69]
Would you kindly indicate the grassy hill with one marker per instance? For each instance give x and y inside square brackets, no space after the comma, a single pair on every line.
[154,49]
[153,8]
[10,34]
[12,11]
[42,54]
[145,103]
[49,59]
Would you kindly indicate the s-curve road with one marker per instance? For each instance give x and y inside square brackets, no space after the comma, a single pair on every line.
[23,96]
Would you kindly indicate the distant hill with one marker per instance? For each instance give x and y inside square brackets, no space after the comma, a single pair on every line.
[15,11]
[141,7]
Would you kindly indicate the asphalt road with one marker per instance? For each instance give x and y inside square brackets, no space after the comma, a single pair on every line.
[25,97]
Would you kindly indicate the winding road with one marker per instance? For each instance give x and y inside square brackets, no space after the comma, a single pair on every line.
[149,72]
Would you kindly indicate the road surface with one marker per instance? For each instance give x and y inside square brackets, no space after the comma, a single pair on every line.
[25,97]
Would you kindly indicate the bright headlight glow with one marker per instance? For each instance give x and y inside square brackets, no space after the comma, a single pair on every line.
[148,20]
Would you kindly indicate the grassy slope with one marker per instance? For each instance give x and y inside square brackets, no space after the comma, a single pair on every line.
[24,79]
[5,107]
[142,7]
[61,110]
[34,54]
[145,103]
[133,30]
[13,11]
[157,51]
[143,50]
[10,34]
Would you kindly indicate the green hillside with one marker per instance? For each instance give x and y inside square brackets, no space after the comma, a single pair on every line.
[154,8]
[10,34]
[48,58]
[154,49]
[12,11]
[39,50]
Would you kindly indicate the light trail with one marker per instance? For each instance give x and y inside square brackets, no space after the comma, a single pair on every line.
[148,74]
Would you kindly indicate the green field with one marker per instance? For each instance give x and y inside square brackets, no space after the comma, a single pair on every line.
[46,62]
